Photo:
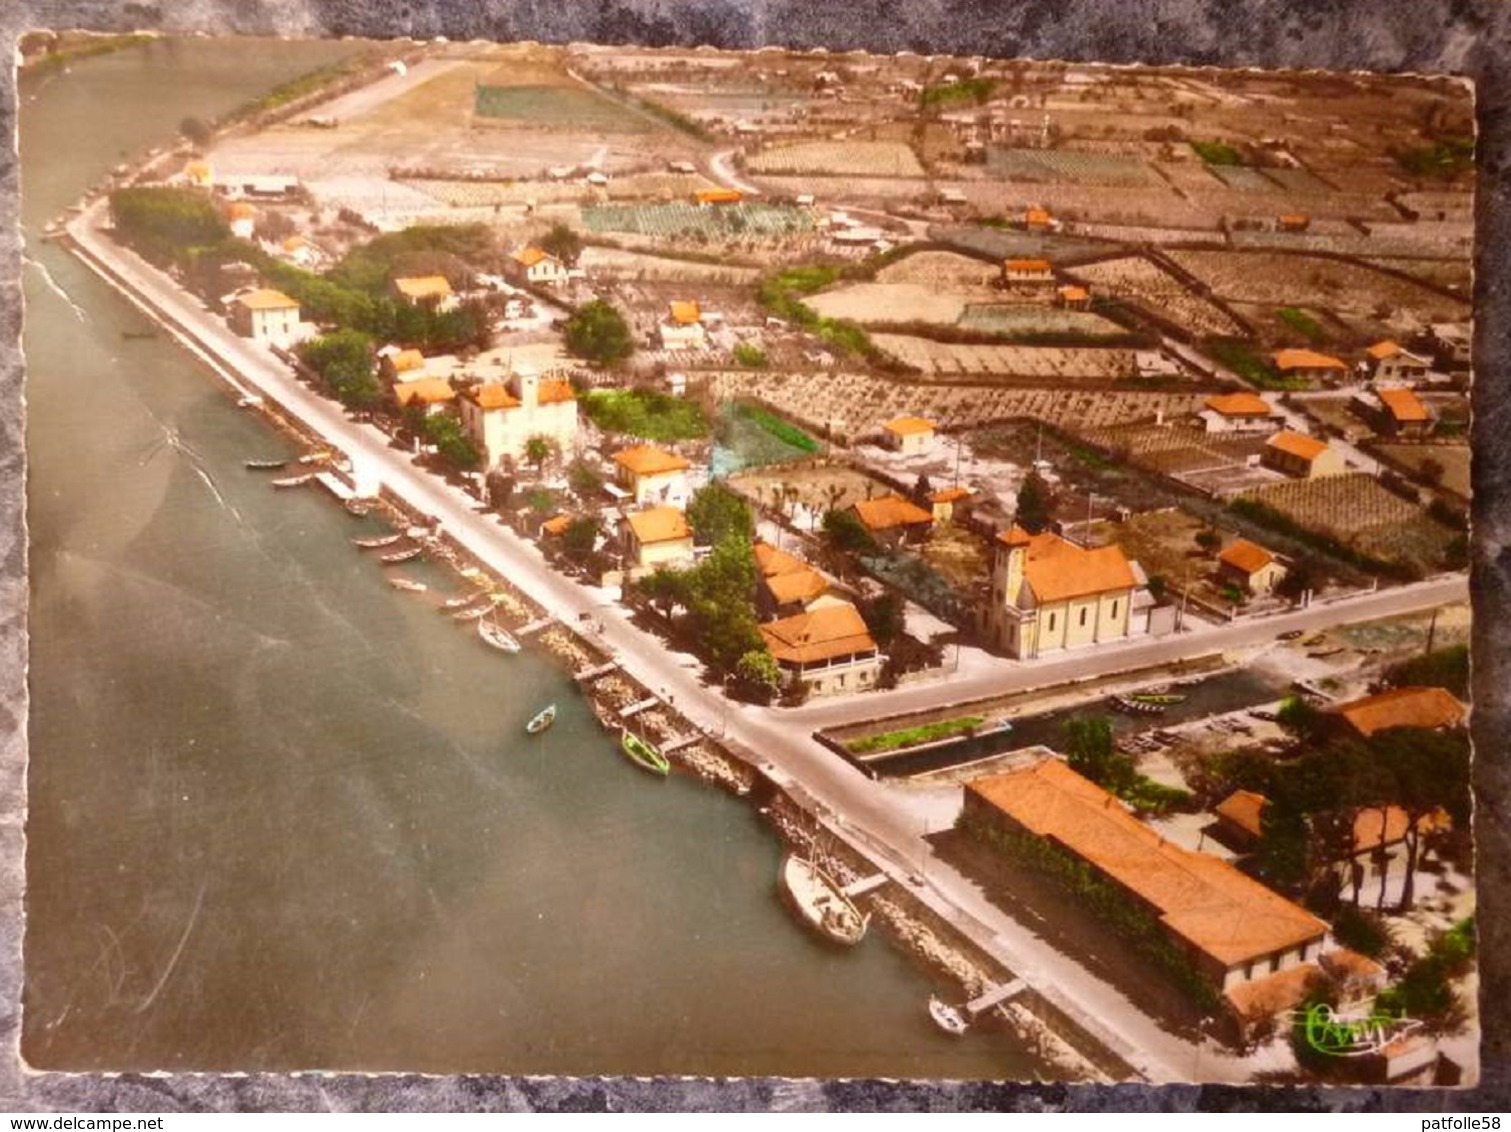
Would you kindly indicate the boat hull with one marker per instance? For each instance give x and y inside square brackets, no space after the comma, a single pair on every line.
[643,755]
[820,903]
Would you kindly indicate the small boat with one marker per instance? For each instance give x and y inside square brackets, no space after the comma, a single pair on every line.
[821,902]
[401,556]
[264,465]
[474,614]
[642,753]
[1128,704]
[376,541]
[1162,699]
[950,1019]
[465,599]
[407,584]
[295,481]
[249,401]
[315,458]
[497,636]
[543,719]
[358,507]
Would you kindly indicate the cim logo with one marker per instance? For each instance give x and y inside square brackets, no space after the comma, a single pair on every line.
[1347,1035]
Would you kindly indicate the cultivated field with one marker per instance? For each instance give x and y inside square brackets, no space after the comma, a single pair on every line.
[676,221]
[1453,458]
[890,302]
[615,263]
[1077,168]
[838,158]
[853,405]
[943,271]
[1175,449]
[1039,363]
[1357,511]
[1147,284]
[826,487]
[1025,320]
[1310,281]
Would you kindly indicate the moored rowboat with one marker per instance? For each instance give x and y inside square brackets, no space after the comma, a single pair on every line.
[950,1019]
[295,481]
[376,541]
[642,753]
[408,584]
[497,636]
[265,465]
[543,719]
[401,556]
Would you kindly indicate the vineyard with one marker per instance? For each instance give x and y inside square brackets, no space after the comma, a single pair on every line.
[889,302]
[838,158]
[942,270]
[1050,364]
[1060,165]
[1016,321]
[1140,281]
[1242,178]
[1299,181]
[720,222]
[1315,282]
[555,108]
[1359,512]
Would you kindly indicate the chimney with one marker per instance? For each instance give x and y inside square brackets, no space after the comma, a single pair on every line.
[528,383]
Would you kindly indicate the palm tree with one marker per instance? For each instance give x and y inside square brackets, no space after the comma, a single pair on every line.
[538,449]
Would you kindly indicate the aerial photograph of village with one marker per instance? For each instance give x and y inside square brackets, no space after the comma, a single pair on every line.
[578,559]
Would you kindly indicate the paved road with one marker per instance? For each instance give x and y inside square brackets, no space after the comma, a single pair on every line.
[721,169]
[890,820]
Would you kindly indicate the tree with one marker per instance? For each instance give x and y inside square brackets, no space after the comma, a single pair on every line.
[844,532]
[759,670]
[721,602]
[580,538]
[344,361]
[451,441]
[884,617]
[1090,752]
[562,242]
[584,478]
[1445,668]
[197,130]
[1428,772]
[538,449]
[1303,574]
[1035,504]
[716,513]
[1209,540]
[1431,470]
[922,490]
[1299,716]
[598,333]
[164,223]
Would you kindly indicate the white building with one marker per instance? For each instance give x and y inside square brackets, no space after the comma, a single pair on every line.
[502,416]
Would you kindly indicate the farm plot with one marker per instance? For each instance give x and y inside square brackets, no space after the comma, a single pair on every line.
[1054,165]
[1012,320]
[1299,181]
[1186,174]
[615,263]
[1453,459]
[1356,510]
[1455,274]
[555,108]
[838,158]
[1177,449]
[1138,280]
[724,222]
[1003,243]
[1315,282]
[889,303]
[1163,543]
[816,488]
[1242,178]
[943,270]
[1049,364]
[854,404]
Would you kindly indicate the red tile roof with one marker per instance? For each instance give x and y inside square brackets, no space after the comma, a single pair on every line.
[659,524]
[265,299]
[909,426]
[423,286]
[1203,900]
[1039,265]
[1247,556]
[1240,405]
[1305,359]
[1404,405]
[648,460]
[823,634]
[1307,448]
[891,511]
[1242,808]
[1056,569]
[1401,707]
[427,391]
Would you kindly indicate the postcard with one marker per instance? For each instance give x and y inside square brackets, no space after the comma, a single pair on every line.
[602,560]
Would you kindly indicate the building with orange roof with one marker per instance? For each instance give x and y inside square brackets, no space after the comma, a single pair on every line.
[1049,594]
[1308,364]
[717,196]
[432,393]
[1074,298]
[1305,457]
[201,174]
[652,475]
[401,365]
[1389,361]
[945,501]
[1239,412]
[682,329]
[787,585]
[894,520]
[1230,929]
[1019,271]
[426,291]
[1038,220]
[1293,222]
[242,218]
[829,649]
[1250,567]
[502,415]
[265,315]
[536,265]
[1430,708]
[910,436]
[658,536]
[556,525]
[1395,411]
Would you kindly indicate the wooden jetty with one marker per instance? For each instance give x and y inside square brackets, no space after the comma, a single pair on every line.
[534,626]
[865,885]
[995,996]
[637,708]
[589,674]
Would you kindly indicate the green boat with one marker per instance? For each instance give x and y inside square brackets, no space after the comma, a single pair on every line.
[642,754]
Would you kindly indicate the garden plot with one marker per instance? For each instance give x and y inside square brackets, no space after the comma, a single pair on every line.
[1004,243]
[1059,165]
[1036,363]
[1312,281]
[1186,174]
[1454,274]
[553,108]
[1152,204]
[1356,510]
[838,158]
[1139,281]
[616,263]
[813,489]
[721,222]
[1018,320]
[1299,181]
[1254,200]
[851,405]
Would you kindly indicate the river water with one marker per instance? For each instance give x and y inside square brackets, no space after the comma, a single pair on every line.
[283,816]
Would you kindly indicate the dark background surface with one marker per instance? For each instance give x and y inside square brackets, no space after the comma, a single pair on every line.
[1464,37]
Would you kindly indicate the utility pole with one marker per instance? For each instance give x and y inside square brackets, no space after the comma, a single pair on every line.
[1432,629]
